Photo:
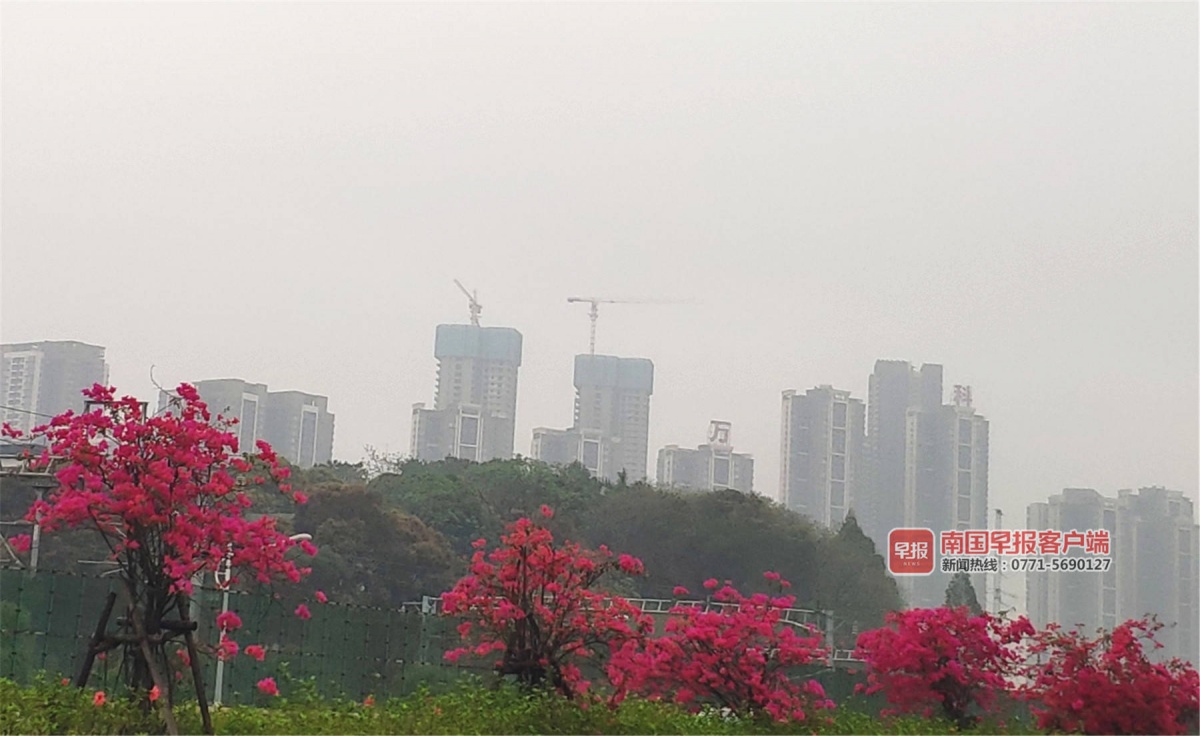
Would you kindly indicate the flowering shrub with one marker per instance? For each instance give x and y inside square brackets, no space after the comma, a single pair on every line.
[167,495]
[941,657]
[1107,685]
[532,600]
[734,656]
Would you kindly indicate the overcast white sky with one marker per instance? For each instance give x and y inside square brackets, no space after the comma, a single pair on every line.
[284,193]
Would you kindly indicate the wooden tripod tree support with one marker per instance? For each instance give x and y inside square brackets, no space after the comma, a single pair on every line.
[102,641]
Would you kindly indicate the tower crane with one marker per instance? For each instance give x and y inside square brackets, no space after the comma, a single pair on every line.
[476,307]
[594,313]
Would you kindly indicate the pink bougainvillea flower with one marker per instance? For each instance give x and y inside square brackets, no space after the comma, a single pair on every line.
[21,542]
[303,612]
[256,651]
[711,583]
[99,698]
[736,657]
[321,597]
[679,591]
[229,621]
[546,511]
[267,686]
[227,649]
[924,653]
[166,493]
[531,577]
[155,693]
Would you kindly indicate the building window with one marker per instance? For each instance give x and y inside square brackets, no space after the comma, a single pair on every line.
[248,420]
[839,440]
[964,457]
[469,431]
[838,467]
[964,431]
[837,493]
[964,483]
[591,455]
[720,472]
[964,509]
[308,439]
[839,414]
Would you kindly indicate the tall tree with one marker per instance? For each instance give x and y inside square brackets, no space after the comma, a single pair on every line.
[370,554]
[853,582]
[960,592]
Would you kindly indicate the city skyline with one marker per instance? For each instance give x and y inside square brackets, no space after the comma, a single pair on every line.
[957,184]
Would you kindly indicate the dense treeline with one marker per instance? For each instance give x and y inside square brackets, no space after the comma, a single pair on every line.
[407,532]
[683,538]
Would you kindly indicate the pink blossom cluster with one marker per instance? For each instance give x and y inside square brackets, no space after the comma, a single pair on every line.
[1108,685]
[533,601]
[167,493]
[943,659]
[737,656]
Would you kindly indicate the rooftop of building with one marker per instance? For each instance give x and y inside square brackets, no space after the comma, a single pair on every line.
[481,343]
[634,374]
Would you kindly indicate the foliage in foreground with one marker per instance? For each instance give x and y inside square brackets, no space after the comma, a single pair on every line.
[473,708]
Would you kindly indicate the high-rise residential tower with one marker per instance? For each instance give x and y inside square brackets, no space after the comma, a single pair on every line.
[233,398]
[47,378]
[1157,556]
[1154,542]
[612,395]
[821,468]
[927,465]
[588,447]
[297,425]
[895,390]
[712,466]
[475,406]
[1087,600]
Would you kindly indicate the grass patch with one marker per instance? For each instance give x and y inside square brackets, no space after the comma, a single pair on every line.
[472,708]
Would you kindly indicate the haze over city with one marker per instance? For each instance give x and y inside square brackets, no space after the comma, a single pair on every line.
[285,194]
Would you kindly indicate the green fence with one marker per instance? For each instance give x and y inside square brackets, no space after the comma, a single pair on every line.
[46,620]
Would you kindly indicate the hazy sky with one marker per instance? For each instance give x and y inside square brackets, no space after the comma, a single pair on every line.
[285,192]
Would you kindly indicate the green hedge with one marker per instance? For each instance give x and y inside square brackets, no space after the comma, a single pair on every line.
[49,707]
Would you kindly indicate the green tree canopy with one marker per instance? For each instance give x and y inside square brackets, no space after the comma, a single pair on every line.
[960,592]
[370,554]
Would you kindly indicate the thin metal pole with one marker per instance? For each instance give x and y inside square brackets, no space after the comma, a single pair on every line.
[219,685]
[36,545]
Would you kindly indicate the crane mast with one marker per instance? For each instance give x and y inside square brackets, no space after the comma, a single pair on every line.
[594,312]
[473,302]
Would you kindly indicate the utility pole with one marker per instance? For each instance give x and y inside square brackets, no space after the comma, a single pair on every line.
[997,593]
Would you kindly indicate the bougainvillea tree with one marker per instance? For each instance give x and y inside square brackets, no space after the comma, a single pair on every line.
[738,654]
[1109,685]
[927,659]
[167,495]
[535,602]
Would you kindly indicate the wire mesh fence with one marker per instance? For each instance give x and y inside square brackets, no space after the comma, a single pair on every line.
[347,651]
[46,620]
